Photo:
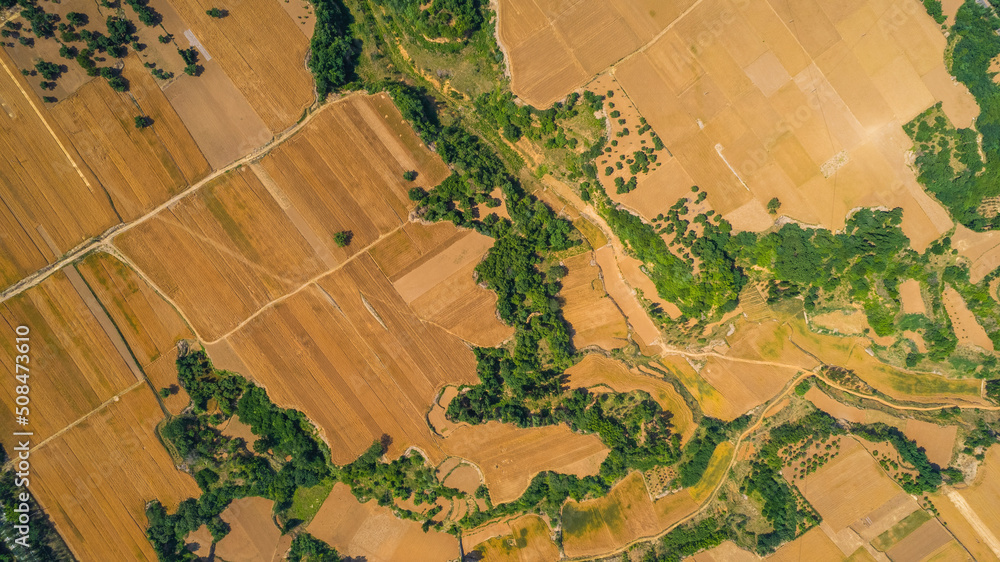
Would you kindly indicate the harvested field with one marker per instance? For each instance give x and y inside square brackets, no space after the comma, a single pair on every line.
[239,238]
[842,322]
[952,550]
[253,536]
[438,281]
[302,16]
[372,532]
[510,457]
[814,542]
[937,440]
[887,516]
[624,297]
[529,541]
[77,363]
[149,325]
[744,85]
[436,417]
[596,371]
[849,486]
[963,322]
[914,547]
[982,249]
[220,119]
[744,386]
[139,168]
[236,428]
[199,542]
[464,477]
[716,470]
[596,526]
[271,75]
[51,199]
[978,503]
[725,552]
[115,449]
[834,408]
[592,315]
[367,365]
[961,528]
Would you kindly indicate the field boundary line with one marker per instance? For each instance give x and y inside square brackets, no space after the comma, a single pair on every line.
[48,127]
[108,235]
[82,419]
[306,284]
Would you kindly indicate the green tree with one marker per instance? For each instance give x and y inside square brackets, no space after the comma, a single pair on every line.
[343,238]
[773,205]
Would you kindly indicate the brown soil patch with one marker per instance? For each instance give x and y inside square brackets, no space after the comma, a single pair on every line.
[236,428]
[510,457]
[937,440]
[596,371]
[220,119]
[883,518]
[596,526]
[302,15]
[963,322]
[253,536]
[373,532]
[850,485]
[915,546]
[94,480]
[468,249]
[593,316]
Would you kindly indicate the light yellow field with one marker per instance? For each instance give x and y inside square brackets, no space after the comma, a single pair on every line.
[717,466]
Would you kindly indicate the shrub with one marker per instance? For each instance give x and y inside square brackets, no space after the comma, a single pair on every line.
[343,238]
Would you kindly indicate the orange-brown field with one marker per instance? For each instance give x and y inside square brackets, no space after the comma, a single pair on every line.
[595,526]
[982,249]
[963,322]
[849,486]
[371,532]
[834,408]
[77,365]
[252,533]
[593,316]
[149,325]
[597,371]
[368,366]
[432,269]
[529,540]
[725,552]
[937,440]
[930,537]
[624,297]
[913,301]
[94,479]
[510,457]
[814,545]
[260,232]
[271,75]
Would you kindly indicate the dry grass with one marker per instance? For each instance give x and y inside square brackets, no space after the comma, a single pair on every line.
[529,541]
